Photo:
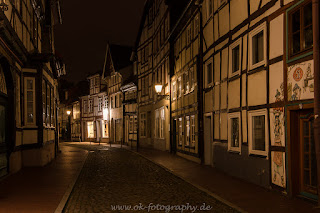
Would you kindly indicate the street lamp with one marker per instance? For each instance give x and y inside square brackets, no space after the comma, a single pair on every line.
[158,88]
[68,112]
[3,5]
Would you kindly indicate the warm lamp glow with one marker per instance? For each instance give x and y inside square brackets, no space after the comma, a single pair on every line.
[158,88]
[105,114]
[68,112]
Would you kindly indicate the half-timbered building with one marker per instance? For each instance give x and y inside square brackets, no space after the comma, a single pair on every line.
[186,83]
[28,84]
[259,90]
[152,59]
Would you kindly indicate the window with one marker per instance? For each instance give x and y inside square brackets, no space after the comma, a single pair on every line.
[235,58]
[92,82]
[187,121]
[191,79]
[180,131]
[209,73]
[85,106]
[300,29]
[257,46]
[258,132]
[143,124]
[209,8]
[111,103]
[159,119]
[174,91]
[135,124]
[193,131]
[179,87]
[105,129]
[90,129]
[234,132]
[105,105]
[100,105]
[90,106]
[48,105]
[196,25]
[115,101]
[30,116]
[186,85]
[44,101]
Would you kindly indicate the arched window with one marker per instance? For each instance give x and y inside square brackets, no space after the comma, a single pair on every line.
[3,86]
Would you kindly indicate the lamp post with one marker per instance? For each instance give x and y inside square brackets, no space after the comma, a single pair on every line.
[158,88]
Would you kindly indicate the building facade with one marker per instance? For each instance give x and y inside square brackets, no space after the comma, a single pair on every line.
[259,92]
[28,84]
[94,126]
[152,61]
[130,112]
[186,84]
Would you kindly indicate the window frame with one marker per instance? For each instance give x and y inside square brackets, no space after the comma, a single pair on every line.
[208,84]
[230,117]
[26,123]
[251,114]
[302,53]
[252,33]
[143,124]
[231,47]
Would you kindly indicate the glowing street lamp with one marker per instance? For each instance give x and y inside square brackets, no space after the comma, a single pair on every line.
[68,112]
[158,88]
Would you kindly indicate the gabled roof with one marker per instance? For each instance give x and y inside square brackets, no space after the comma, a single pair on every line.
[117,57]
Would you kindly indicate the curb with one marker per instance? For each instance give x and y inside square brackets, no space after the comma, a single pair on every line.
[66,195]
[215,196]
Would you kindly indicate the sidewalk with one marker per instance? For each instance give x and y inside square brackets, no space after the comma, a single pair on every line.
[247,196]
[41,189]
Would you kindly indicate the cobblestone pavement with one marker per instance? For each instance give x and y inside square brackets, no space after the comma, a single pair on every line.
[112,176]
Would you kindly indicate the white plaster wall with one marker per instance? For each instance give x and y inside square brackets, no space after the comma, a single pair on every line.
[239,12]
[257,89]
[276,37]
[276,79]
[234,94]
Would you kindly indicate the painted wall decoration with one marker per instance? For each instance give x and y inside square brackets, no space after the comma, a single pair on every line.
[277,126]
[278,169]
[301,81]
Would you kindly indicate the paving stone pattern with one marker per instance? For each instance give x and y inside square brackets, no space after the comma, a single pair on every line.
[112,176]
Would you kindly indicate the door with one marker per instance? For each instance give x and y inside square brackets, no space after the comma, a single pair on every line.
[308,165]
[207,140]
[303,160]
[3,136]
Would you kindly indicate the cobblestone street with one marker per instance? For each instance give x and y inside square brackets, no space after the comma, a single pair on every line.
[112,176]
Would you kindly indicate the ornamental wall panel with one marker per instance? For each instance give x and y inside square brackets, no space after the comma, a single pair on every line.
[301,81]
[276,84]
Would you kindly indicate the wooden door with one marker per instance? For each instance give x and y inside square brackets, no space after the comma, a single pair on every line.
[308,165]
[303,157]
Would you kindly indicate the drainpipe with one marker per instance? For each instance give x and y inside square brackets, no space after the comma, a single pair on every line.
[316,43]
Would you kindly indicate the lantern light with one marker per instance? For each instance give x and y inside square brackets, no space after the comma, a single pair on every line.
[158,88]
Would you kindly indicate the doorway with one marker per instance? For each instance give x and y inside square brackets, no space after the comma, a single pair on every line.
[303,156]
[207,141]
[3,125]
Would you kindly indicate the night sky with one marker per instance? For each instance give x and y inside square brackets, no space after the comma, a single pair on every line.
[82,38]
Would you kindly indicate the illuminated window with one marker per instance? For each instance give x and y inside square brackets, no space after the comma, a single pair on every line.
[90,129]
[30,101]
[193,131]
[180,131]
[105,129]
[187,121]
